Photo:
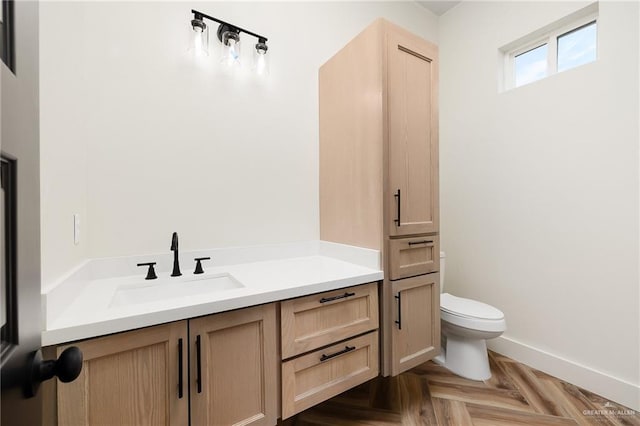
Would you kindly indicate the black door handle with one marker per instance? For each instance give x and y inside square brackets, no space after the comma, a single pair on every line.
[180,372]
[67,368]
[399,320]
[397,195]
[198,365]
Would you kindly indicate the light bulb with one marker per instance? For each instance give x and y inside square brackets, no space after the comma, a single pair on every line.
[233,50]
[200,38]
[230,48]
[260,58]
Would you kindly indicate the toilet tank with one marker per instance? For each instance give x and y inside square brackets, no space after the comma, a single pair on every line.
[442,257]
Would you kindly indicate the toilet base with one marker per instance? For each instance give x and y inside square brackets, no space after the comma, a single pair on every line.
[466,357]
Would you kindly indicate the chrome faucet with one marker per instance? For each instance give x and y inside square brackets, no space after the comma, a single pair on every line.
[174,247]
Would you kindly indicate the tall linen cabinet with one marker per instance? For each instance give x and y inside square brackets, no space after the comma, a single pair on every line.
[379,177]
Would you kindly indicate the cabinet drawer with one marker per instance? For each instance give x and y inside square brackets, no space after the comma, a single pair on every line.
[409,257]
[318,320]
[318,376]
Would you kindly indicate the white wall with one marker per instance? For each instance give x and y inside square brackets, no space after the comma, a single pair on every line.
[64,99]
[142,141]
[539,192]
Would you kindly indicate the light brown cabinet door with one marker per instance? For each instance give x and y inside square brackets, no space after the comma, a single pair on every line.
[416,330]
[234,368]
[129,378]
[412,114]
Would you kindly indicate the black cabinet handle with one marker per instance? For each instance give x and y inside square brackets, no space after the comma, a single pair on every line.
[397,196]
[198,365]
[344,351]
[399,321]
[180,372]
[331,299]
[413,243]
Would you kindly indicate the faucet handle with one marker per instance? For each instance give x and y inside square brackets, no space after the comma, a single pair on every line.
[199,269]
[151,272]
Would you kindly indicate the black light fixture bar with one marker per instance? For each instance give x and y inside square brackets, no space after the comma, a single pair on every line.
[200,15]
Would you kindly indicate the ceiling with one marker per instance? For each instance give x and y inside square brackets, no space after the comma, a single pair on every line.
[438,7]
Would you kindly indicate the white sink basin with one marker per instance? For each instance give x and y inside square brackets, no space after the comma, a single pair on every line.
[172,288]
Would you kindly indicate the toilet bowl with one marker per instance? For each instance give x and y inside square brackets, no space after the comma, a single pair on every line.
[466,325]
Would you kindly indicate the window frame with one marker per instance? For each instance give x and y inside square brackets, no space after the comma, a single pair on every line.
[550,38]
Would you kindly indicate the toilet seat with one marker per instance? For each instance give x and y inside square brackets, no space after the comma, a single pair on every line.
[468,308]
[471,314]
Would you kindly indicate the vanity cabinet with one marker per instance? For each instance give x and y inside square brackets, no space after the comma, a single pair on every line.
[379,176]
[146,377]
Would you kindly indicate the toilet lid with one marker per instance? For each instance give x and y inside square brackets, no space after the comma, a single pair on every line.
[468,308]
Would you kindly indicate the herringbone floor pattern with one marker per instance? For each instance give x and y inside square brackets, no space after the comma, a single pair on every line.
[431,395]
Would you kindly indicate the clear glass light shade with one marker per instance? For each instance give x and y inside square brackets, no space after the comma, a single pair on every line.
[200,41]
[261,59]
[230,48]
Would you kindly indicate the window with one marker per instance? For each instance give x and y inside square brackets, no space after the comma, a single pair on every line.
[531,65]
[577,47]
[563,45]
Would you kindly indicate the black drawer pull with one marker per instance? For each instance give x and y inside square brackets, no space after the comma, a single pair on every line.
[413,243]
[331,299]
[344,351]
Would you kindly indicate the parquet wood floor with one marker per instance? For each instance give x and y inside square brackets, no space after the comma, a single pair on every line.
[430,395]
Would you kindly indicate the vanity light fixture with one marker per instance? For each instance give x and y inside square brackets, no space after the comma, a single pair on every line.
[229,37]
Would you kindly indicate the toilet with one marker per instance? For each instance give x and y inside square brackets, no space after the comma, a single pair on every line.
[466,325]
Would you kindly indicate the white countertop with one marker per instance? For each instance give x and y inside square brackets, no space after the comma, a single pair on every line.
[79,306]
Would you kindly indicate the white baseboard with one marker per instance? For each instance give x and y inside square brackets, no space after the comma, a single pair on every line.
[610,387]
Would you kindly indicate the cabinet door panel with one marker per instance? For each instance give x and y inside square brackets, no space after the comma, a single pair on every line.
[413,136]
[416,331]
[128,379]
[238,368]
